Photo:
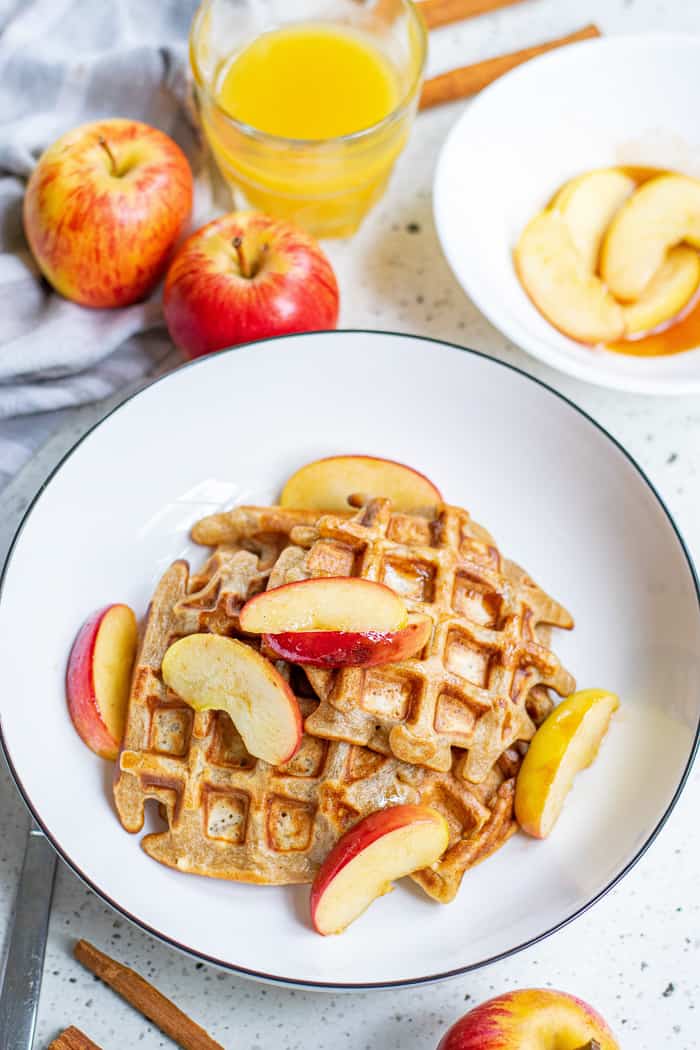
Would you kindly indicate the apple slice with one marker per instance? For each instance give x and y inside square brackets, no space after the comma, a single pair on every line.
[560,285]
[661,213]
[362,866]
[565,743]
[587,205]
[213,673]
[667,294]
[99,675]
[351,648]
[325,603]
[326,484]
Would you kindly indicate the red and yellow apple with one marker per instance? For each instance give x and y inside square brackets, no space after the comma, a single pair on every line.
[566,742]
[98,677]
[531,1019]
[351,648]
[327,483]
[247,276]
[104,207]
[211,672]
[325,603]
[364,863]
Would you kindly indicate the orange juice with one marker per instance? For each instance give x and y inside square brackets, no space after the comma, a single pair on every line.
[308,118]
[309,82]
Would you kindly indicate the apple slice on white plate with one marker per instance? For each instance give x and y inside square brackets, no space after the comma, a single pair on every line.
[363,865]
[99,675]
[588,204]
[351,648]
[667,294]
[566,742]
[327,483]
[325,603]
[213,673]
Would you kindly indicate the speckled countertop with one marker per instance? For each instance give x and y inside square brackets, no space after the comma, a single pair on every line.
[635,955]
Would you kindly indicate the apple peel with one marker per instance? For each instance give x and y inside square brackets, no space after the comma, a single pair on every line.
[351,648]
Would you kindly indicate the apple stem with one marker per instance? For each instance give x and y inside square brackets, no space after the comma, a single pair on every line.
[105,146]
[592,1044]
[242,258]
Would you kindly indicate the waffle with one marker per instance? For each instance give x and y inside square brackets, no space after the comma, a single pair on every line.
[482,682]
[232,816]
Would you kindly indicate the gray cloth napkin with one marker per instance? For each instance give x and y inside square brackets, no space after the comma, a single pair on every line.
[62,63]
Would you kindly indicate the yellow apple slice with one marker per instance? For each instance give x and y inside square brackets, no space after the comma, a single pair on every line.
[557,280]
[213,673]
[667,294]
[99,675]
[325,603]
[362,866]
[565,743]
[588,204]
[661,213]
[326,484]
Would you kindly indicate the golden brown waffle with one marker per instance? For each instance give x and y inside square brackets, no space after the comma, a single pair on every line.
[232,816]
[480,684]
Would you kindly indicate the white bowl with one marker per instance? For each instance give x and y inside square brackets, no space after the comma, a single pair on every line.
[622,100]
[559,494]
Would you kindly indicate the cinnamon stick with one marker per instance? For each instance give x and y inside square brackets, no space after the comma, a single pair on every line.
[467,80]
[145,998]
[73,1039]
[442,12]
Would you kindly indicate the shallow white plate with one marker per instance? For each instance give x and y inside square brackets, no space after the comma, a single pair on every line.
[559,495]
[623,100]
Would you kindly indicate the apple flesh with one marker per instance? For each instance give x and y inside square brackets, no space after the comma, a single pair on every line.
[587,204]
[362,866]
[351,648]
[99,675]
[531,1019]
[325,603]
[667,294]
[327,483]
[566,742]
[211,672]
[561,286]
[103,208]
[663,212]
[247,276]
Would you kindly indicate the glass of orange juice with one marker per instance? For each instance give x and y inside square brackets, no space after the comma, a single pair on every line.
[306,104]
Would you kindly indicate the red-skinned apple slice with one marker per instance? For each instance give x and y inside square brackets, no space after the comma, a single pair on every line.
[351,648]
[327,483]
[325,603]
[213,673]
[98,677]
[362,866]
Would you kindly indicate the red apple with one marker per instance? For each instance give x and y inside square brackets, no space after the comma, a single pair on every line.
[247,276]
[351,648]
[530,1019]
[103,208]
[98,677]
[211,672]
[363,864]
[327,483]
[325,603]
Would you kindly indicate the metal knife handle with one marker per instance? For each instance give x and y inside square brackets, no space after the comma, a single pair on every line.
[24,963]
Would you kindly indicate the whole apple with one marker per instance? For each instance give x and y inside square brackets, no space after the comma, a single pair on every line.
[530,1019]
[103,208]
[247,276]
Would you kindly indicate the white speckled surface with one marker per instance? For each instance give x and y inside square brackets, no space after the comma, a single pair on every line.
[636,955]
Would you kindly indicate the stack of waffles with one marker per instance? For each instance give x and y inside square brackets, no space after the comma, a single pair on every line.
[447,728]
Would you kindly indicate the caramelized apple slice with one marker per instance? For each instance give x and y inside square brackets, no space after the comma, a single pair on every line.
[98,678]
[351,648]
[565,743]
[661,213]
[555,277]
[587,205]
[362,866]
[213,673]
[667,294]
[325,603]
[326,484]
